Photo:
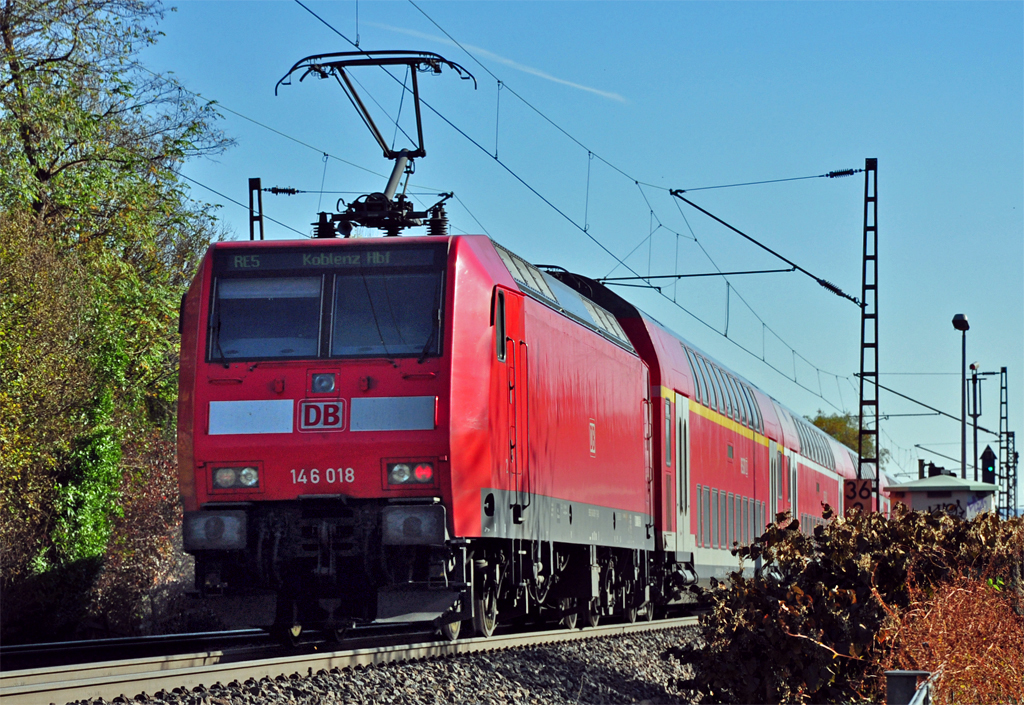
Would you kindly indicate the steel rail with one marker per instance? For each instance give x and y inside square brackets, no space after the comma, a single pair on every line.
[112,679]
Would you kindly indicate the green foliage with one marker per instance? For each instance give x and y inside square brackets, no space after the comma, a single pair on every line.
[810,625]
[88,500]
[98,239]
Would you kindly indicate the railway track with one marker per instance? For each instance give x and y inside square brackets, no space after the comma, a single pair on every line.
[130,677]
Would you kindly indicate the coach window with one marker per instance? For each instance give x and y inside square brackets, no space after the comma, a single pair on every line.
[697,382]
[753,406]
[733,411]
[726,407]
[723,520]
[713,397]
[707,516]
[734,408]
[700,518]
[698,372]
[748,528]
[499,324]
[740,403]
[714,518]
[745,400]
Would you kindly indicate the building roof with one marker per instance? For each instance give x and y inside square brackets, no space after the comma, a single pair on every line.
[943,483]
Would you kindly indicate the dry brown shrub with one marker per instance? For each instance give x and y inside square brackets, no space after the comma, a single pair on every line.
[142,576]
[968,629]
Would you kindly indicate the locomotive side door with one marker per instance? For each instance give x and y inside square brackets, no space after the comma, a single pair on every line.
[516,359]
[685,540]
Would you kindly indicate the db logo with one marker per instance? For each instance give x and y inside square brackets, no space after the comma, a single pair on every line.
[322,415]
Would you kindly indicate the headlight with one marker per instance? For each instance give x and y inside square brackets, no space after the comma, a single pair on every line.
[224,477]
[323,382]
[247,477]
[250,477]
[399,474]
[410,473]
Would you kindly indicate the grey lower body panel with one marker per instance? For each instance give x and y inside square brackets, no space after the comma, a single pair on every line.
[511,515]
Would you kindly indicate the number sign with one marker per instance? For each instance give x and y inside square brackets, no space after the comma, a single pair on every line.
[858,494]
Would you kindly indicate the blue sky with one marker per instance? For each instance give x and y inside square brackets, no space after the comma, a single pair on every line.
[683,95]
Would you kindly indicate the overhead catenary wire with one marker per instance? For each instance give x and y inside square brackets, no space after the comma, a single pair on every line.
[544,199]
[824,283]
[700,274]
[830,175]
[238,203]
[927,406]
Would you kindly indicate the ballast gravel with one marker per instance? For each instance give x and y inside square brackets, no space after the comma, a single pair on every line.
[621,669]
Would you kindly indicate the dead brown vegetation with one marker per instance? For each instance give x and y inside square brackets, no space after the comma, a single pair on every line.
[970,632]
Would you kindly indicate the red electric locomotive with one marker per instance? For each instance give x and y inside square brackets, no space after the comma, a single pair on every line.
[395,429]
[432,429]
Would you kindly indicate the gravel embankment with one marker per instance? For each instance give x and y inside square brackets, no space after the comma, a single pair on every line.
[626,669]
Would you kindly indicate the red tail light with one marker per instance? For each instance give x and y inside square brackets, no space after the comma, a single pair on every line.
[424,472]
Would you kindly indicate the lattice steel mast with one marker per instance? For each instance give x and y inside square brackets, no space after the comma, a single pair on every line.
[868,412]
[1003,478]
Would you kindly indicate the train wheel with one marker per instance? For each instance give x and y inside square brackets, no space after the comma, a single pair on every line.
[451,630]
[288,635]
[485,612]
[631,614]
[631,611]
[593,612]
[568,606]
[649,612]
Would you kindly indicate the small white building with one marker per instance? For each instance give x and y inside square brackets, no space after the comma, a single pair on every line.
[946,493]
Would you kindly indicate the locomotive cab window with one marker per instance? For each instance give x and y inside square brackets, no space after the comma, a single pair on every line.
[265,317]
[306,303]
[386,314]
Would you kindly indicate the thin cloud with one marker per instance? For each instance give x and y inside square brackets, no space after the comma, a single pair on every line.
[501,60]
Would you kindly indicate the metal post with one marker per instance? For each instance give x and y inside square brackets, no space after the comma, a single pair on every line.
[255,208]
[960,323]
[975,413]
[900,686]
[963,410]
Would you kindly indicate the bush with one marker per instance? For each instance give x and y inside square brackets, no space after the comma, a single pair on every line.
[969,633]
[814,624]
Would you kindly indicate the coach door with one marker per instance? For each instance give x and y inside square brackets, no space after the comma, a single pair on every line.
[774,481]
[516,370]
[791,490]
[684,501]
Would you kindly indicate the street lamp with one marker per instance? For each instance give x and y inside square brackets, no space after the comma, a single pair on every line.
[961,324]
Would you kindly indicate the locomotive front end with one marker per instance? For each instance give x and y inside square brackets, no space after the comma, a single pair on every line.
[313,444]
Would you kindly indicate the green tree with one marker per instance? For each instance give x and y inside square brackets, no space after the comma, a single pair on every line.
[98,238]
[845,428]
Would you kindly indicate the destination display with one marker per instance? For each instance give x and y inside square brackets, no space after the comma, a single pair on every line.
[263,260]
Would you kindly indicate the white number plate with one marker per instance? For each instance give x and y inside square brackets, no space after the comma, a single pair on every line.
[330,476]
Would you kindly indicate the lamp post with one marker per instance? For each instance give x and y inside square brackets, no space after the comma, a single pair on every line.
[961,324]
[975,412]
